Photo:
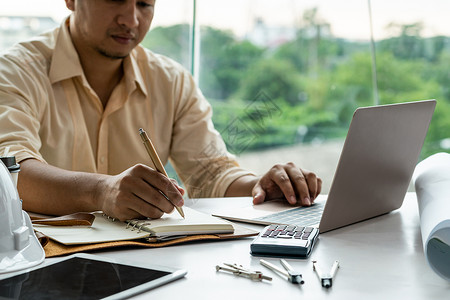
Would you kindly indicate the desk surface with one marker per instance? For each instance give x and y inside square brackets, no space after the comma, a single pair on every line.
[381,258]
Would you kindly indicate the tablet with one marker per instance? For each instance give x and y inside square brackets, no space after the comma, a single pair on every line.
[86,276]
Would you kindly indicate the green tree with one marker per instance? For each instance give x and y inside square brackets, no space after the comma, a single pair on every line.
[223,62]
[438,130]
[172,41]
[313,49]
[439,72]
[276,78]
[408,43]
[315,81]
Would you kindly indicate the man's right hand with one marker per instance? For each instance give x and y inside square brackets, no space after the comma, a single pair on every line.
[139,191]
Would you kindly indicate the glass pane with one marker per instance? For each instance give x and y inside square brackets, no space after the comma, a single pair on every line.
[284,78]
[413,57]
[21,20]
[170,31]
[170,35]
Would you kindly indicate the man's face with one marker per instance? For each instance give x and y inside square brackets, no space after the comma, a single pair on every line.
[111,28]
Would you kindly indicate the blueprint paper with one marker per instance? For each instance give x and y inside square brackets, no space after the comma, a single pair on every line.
[432,182]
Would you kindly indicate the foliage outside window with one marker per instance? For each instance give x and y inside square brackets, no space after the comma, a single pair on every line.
[306,89]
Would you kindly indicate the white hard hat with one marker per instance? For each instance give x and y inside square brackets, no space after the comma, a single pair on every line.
[19,247]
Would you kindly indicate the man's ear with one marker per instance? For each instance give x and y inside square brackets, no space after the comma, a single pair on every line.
[70,4]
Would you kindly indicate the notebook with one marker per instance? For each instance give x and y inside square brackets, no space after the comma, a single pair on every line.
[377,161]
[169,226]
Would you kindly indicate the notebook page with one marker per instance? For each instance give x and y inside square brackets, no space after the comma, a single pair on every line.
[102,230]
[106,230]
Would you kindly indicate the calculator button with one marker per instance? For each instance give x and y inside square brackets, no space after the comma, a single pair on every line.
[309,229]
[290,228]
[268,231]
[274,234]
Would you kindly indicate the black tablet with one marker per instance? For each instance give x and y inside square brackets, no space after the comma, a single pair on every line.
[85,276]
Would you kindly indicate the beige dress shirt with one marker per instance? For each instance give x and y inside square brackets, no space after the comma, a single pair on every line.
[49,112]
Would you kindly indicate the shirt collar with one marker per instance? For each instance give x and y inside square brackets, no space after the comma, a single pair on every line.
[65,61]
[133,74]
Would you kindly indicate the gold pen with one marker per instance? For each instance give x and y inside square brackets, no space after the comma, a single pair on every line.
[156,161]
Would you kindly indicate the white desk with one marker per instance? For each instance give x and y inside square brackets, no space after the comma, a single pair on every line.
[381,258]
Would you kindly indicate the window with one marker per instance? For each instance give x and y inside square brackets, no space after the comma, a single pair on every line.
[284,77]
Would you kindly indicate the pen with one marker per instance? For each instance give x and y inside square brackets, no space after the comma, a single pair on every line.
[156,161]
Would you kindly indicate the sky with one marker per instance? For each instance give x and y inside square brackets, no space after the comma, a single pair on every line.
[348,18]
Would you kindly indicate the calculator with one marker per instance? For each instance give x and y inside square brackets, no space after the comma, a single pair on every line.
[285,240]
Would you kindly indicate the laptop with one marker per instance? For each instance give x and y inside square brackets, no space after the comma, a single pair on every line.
[377,161]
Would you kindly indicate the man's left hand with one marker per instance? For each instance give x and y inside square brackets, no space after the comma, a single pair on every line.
[289,181]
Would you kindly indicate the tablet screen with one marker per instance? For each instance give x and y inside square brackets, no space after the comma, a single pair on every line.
[77,278]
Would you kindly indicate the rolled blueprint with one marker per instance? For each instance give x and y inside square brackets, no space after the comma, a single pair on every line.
[432,182]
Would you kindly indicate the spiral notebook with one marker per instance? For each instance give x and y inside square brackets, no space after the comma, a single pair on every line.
[170,226]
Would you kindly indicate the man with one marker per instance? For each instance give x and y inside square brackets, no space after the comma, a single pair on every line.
[71,104]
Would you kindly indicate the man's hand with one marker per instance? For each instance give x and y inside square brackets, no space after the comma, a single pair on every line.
[139,191]
[281,181]
[134,193]
[290,182]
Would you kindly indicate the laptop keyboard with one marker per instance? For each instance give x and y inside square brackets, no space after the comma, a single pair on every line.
[300,216]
